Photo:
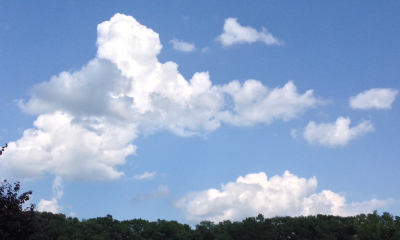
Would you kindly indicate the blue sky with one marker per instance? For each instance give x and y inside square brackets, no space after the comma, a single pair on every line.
[202,111]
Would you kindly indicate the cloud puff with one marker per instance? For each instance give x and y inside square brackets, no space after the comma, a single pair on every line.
[52,205]
[337,133]
[89,118]
[253,102]
[234,33]
[182,46]
[145,175]
[162,191]
[281,195]
[49,206]
[379,98]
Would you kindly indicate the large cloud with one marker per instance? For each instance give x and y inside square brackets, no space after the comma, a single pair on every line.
[89,118]
[281,195]
[76,151]
[337,133]
[379,98]
[234,33]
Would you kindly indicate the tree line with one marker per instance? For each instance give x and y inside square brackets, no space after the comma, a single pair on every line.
[325,227]
[21,223]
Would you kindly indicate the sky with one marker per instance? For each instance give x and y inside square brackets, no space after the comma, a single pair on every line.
[211,110]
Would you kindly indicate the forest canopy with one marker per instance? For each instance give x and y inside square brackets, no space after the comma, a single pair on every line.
[369,226]
[21,223]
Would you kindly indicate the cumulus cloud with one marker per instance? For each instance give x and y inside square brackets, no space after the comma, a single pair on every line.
[255,103]
[378,98]
[145,175]
[49,206]
[85,151]
[281,195]
[337,133]
[234,33]
[162,191]
[89,118]
[182,46]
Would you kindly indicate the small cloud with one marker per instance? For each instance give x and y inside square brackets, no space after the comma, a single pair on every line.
[378,98]
[337,133]
[73,215]
[293,132]
[234,33]
[182,46]
[162,191]
[49,206]
[205,50]
[146,175]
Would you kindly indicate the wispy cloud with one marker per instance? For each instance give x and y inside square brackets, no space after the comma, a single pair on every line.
[378,98]
[234,33]
[58,190]
[337,133]
[182,46]
[205,50]
[146,175]
[162,191]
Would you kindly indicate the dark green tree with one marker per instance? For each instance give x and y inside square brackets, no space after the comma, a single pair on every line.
[15,221]
[205,228]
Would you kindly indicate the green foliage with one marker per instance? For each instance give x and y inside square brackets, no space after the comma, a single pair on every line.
[15,222]
[373,226]
[323,227]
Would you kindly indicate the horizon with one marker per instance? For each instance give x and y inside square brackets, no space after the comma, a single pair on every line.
[205,111]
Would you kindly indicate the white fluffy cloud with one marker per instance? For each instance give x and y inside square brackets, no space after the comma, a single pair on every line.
[281,195]
[182,46]
[337,133]
[235,33]
[49,206]
[145,175]
[379,98]
[253,102]
[89,118]
[76,151]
